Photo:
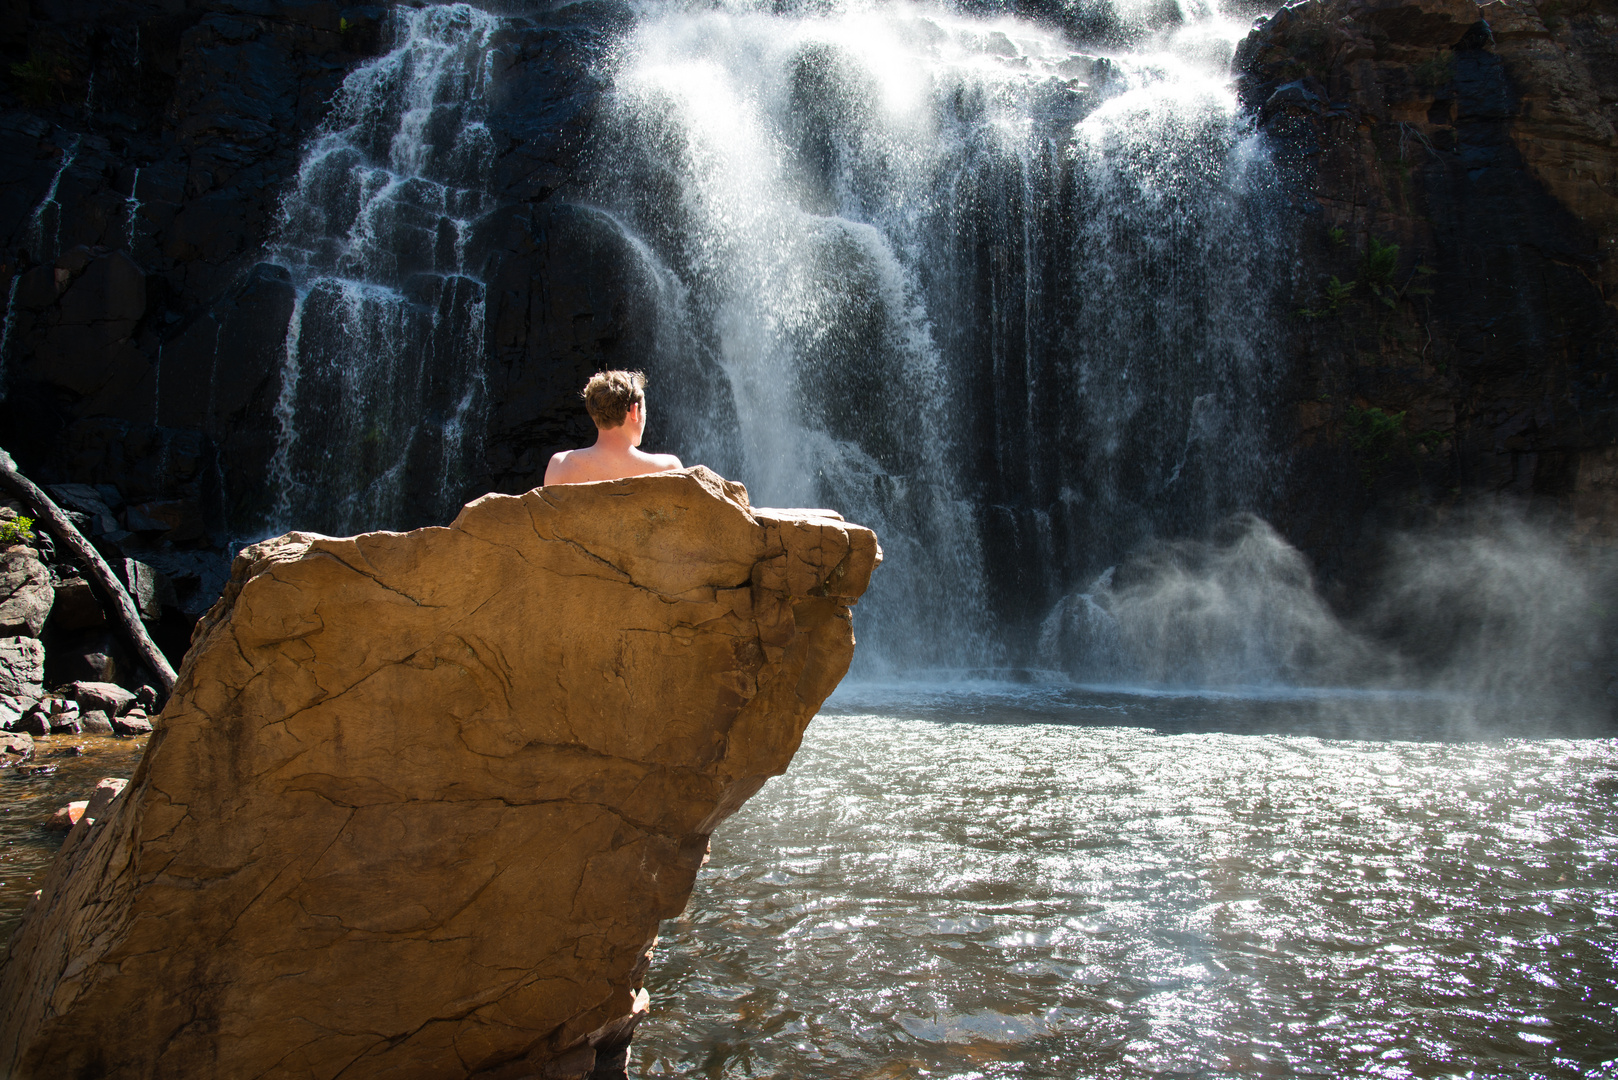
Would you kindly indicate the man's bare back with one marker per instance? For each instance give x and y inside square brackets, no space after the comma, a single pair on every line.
[616,453]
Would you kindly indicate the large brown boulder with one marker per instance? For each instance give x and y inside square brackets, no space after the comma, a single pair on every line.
[420,799]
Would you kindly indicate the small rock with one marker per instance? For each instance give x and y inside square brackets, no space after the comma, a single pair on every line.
[108,789]
[68,816]
[36,721]
[92,662]
[10,715]
[38,770]
[67,724]
[96,722]
[16,746]
[108,697]
[61,706]
[146,697]
[80,497]
[70,751]
[130,725]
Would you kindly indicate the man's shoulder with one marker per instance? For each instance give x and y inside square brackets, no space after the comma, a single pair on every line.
[565,466]
[665,462]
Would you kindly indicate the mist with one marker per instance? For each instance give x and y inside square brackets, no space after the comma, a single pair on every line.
[1493,610]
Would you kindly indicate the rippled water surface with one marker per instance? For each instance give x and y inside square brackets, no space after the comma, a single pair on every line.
[998,882]
[63,769]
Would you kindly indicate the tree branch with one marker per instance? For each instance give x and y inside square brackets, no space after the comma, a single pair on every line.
[125,613]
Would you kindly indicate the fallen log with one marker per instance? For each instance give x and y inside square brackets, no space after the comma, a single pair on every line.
[124,611]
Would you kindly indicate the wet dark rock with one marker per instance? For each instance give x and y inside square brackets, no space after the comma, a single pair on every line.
[35,721]
[96,722]
[82,498]
[67,725]
[146,697]
[129,726]
[77,607]
[149,588]
[67,816]
[15,746]
[85,656]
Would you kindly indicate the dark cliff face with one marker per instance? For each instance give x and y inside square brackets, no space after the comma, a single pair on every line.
[1455,331]
[145,150]
[1452,329]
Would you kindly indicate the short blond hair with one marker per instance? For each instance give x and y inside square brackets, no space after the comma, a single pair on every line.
[609,395]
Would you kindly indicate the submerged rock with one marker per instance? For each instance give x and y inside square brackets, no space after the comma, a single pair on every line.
[420,800]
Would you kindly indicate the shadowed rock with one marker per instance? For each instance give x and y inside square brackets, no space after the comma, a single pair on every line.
[420,800]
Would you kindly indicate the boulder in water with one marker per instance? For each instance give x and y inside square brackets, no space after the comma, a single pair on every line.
[419,801]
[110,698]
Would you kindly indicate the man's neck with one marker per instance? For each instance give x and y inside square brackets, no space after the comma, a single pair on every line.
[614,441]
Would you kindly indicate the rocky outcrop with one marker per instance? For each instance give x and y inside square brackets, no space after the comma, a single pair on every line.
[26,594]
[22,672]
[420,799]
[1456,328]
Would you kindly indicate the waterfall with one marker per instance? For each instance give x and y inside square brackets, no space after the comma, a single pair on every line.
[1001,294]
[5,329]
[382,383]
[1003,298]
[41,250]
[132,211]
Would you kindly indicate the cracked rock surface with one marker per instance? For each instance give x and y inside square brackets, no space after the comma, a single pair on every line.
[420,799]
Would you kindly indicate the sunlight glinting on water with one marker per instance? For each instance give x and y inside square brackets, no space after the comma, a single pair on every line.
[924,898]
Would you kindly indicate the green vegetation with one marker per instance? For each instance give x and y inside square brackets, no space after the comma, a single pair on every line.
[1334,296]
[42,79]
[17,531]
[1378,272]
[1380,264]
[1376,434]
[1432,439]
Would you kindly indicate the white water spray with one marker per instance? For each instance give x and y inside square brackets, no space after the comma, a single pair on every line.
[920,249]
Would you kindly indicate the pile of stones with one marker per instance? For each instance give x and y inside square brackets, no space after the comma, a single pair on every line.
[54,633]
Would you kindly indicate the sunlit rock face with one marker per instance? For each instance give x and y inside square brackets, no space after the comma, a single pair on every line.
[421,799]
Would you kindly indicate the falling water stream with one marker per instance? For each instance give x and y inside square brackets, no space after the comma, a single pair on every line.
[382,380]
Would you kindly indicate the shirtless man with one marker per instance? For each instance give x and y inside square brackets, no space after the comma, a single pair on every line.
[617,404]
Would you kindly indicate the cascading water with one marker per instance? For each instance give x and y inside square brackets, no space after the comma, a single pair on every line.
[1005,301]
[383,379]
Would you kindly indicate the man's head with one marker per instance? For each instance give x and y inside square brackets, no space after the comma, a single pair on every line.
[609,395]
